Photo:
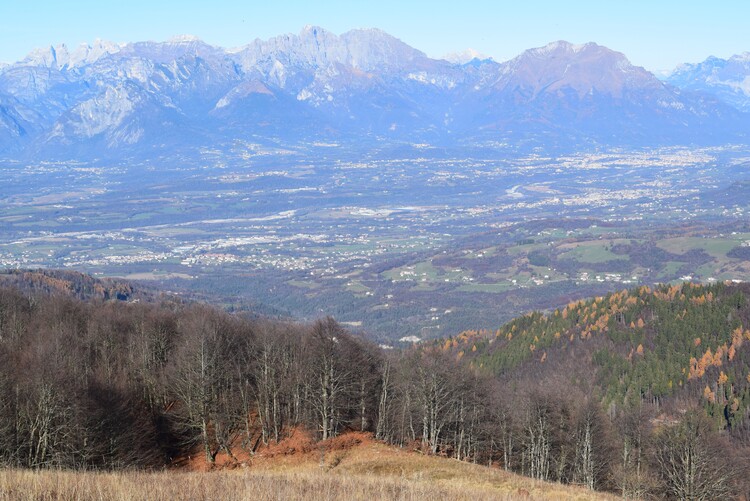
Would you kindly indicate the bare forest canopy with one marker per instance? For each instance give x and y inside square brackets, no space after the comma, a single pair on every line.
[107,384]
[76,285]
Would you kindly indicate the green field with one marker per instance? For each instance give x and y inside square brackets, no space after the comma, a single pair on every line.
[487,288]
[591,252]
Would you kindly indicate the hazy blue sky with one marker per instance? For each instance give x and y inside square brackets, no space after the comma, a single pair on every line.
[656,34]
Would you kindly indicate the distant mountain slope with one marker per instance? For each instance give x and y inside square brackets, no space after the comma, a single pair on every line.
[590,93]
[673,343]
[727,79]
[73,284]
[141,99]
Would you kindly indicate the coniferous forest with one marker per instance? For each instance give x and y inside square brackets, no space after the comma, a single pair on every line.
[645,392]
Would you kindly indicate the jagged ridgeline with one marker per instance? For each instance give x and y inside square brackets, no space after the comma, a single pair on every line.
[180,97]
[673,342]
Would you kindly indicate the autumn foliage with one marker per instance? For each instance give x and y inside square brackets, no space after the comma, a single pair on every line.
[585,395]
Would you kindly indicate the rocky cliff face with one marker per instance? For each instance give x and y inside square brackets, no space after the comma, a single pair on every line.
[727,79]
[107,99]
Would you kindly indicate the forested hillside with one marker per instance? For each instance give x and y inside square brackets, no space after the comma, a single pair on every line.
[74,284]
[673,344]
[610,394]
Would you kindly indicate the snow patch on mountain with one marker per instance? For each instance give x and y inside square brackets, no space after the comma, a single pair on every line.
[363,83]
[368,50]
[586,69]
[183,39]
[103,112]
[727,79]
[242,91]
[465,56]
[438,80]
[139,70]
[743,86]
[60,57]
[88,54]
[560,46]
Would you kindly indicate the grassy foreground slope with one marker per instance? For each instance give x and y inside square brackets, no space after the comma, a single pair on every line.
[346,469]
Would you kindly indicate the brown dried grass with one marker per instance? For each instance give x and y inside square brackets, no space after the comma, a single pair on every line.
[351,467]
[18,485]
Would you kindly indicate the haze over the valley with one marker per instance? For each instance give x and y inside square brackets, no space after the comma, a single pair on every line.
[375,250]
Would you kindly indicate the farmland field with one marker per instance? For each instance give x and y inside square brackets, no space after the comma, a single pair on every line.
[388,243]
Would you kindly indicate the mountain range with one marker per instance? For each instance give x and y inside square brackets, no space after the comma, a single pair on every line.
[366,87]
[727,79]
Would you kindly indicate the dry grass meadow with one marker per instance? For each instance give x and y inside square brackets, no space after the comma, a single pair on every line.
[365,471]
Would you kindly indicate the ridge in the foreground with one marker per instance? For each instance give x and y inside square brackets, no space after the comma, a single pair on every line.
[352,466]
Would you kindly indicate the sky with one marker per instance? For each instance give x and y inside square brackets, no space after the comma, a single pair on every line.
[655,34]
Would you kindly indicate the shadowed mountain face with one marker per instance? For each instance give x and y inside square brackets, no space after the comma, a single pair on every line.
[365,86]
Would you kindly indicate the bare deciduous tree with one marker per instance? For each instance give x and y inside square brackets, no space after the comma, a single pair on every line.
[330,376]
[691,462]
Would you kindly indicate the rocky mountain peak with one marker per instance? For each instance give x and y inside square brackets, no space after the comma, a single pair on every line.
[61,57]
[584,68]
[465,56]
[363,83]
